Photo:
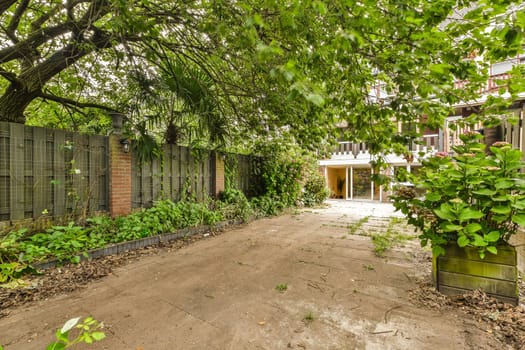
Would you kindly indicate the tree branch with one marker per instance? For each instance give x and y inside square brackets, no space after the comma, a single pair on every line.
[32,42]
[6,4]
[15,20]
[37,23]
[11,77]
[24,48]
[72,103]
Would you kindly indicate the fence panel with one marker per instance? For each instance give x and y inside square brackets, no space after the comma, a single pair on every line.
[135,182]
[184,159]
[241,174]
[16,175]
[4,172]
[177,174]
[44,171]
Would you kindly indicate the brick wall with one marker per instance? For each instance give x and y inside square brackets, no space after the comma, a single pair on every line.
[120,178]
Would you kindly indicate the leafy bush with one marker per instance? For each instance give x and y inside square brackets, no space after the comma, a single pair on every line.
[281,178]
[471,199]
[64,242]
[101,225]
[266,206]
[315,190]
[164,216]
[129,228]
[234,205]
[10,245]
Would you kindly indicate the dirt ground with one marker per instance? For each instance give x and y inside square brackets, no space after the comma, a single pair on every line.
[219,292]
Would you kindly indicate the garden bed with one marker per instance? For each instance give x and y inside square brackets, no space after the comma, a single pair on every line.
[123,247]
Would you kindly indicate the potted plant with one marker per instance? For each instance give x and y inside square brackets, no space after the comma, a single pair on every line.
[471,202]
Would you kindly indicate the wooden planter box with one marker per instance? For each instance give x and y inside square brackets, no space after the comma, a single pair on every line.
[461,270]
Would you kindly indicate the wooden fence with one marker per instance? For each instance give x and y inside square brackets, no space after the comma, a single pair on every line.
[65,174]
[180,173]
[184,173]
[51,172]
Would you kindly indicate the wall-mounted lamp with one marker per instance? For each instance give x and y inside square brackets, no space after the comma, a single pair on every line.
[125,145]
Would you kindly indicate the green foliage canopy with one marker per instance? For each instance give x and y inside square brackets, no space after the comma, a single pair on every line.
[273,70]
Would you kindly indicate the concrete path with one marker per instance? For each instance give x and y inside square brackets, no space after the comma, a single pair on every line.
[220,293]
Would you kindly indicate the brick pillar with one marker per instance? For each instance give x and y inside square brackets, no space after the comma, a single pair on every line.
[119,178]
[219,173]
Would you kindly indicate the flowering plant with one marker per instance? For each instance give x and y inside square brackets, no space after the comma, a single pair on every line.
[471,198]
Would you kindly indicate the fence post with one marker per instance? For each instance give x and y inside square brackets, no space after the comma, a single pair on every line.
[119,177]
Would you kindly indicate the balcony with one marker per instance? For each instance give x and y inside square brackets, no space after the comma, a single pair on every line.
[494,83]
[427,144]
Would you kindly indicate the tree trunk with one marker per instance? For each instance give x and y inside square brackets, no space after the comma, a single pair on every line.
[13,103]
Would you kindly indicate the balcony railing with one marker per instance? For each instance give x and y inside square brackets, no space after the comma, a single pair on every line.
[492,85]
[428,143]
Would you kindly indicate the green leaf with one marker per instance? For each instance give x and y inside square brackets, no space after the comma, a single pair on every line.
[505,210]
[62,336]
[473,227]
[463,241]
[316,99]
[452,228]
[56,346]
[485,192]
[519,204]
[519,219]
[433,197]
[503,184]
[438,251]
[498,218]
[444,213]
[469,214]
[492,249]
[493,236]
[439,69]
[98,335]
[479,241]
[501,198]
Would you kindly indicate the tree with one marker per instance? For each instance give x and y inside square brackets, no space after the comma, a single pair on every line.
[287,70]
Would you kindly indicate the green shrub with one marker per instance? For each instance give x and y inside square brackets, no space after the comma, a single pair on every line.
[65,242]
[267,206]
[234,205]
[471,198]
[281,179]
[315,190]
[10,245]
